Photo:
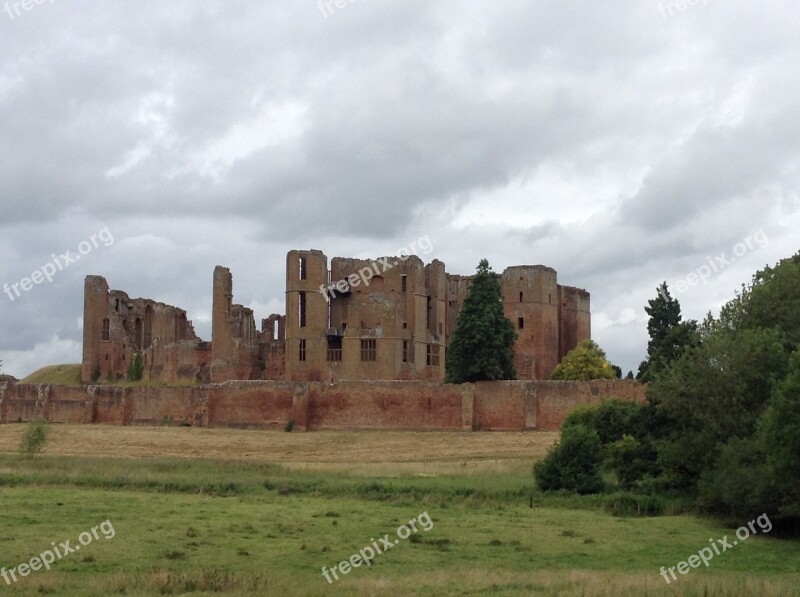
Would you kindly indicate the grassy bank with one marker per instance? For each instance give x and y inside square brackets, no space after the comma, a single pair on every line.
[254,527]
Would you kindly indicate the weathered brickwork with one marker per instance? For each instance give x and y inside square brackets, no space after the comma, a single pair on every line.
[390,318]
[116,328]
[498,406]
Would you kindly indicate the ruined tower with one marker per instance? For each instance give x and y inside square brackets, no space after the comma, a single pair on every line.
[574,318]
[222,346]
[306,315]
[530,301]
[96,326]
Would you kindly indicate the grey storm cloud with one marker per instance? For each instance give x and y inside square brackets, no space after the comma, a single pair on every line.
[619,144]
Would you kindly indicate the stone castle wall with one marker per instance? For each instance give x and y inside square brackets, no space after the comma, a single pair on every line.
[491,406]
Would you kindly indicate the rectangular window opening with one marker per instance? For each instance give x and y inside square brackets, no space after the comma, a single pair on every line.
[303,271]
[369,350]
[302,314]
[432,357]
[334,350]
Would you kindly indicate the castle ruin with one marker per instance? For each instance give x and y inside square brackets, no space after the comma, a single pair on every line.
[384,319]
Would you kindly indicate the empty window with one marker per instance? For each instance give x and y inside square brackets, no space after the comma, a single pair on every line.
[433,355]
[303,271]
[302,350]
[302,315]
[520,297]
[440,327]
[521,322]
[148,326]
[405,325]
[334,349]
[116,305]
[405,351]
[403,280]
[106,330]
[369,350]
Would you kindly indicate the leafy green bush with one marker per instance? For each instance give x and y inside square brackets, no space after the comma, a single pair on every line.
[633,461]
[611,419]
[136,368]
[573,463]
[34,438]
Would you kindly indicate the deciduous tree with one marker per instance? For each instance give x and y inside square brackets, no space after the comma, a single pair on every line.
[585,362]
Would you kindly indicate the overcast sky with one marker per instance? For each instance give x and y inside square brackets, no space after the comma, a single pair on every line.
[622,143]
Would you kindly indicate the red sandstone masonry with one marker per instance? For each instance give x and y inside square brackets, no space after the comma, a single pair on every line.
[500,406]
[556,399]
[491,406]
[385,405]
[250,404]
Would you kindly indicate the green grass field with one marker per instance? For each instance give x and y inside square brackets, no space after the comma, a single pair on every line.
[70,375]
[65,375]
[267,526]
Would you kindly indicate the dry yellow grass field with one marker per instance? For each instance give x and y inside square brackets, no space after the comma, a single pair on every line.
[358,452]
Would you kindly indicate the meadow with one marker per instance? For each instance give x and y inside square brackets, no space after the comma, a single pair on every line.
[213,511]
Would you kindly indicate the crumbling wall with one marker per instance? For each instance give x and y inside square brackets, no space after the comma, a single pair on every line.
[117,328]
[574,318]
[236,348]
[389,318]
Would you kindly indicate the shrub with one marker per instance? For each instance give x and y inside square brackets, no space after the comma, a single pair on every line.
[632,461]
[573,463]
[136,368]
[34,438]
[611,419]
[289,426]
